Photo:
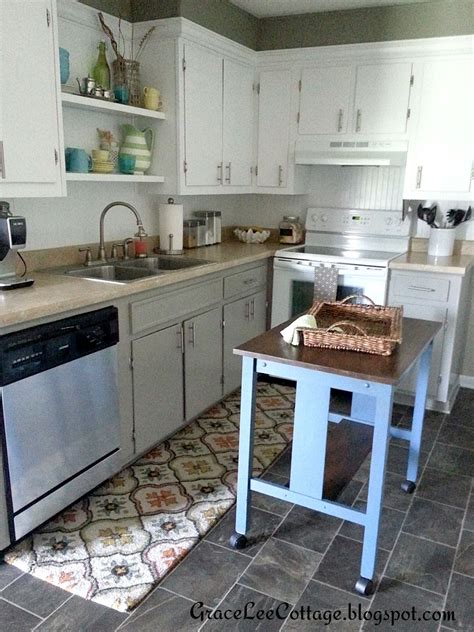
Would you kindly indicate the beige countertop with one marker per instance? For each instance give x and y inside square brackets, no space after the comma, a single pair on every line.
[52,294]
[422,262]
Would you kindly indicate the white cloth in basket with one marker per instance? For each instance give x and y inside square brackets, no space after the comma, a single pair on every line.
[291,335]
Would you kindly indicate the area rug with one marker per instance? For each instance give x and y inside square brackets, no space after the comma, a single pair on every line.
[114,545]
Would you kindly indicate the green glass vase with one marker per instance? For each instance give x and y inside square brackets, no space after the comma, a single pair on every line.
[101,71]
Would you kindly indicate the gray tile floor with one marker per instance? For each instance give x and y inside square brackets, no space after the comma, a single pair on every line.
[301,558]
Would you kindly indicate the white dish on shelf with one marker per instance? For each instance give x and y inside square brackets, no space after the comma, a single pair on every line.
[251,236]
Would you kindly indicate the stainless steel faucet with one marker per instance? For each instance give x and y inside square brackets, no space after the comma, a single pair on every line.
[141,230]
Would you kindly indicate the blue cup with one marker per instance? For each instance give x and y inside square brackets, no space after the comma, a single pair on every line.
[64,65]
[121,94]
[77,160]
[126,163]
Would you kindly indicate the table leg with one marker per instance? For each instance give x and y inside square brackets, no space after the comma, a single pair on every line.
[244,473]
[417,422]
[383,415]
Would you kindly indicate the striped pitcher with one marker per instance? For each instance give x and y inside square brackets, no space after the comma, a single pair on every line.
[135,143]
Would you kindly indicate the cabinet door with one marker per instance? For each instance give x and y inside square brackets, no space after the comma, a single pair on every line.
[426,312]
[203,362]
[238,123]
[244,319]
[203,116]
[28,109]
[382,98]
[273,127]
[325,99]
[157,386]
[441,155]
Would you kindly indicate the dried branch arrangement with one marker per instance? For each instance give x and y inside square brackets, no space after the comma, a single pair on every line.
[107,30]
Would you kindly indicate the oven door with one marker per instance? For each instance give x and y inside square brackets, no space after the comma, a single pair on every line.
[293,286]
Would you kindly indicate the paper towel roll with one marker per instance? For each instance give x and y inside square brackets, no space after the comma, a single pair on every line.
[171,223]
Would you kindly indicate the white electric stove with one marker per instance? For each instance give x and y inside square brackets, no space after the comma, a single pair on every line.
[360,244]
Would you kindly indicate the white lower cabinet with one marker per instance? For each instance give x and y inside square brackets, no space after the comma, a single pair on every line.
[442,298]
[243,319]
[157,386]
[202,362]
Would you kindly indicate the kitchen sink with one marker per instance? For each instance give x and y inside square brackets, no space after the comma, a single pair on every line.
[113,273]
[164,263]
[134,269]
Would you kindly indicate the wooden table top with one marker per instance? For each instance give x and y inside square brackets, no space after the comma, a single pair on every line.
[416,336]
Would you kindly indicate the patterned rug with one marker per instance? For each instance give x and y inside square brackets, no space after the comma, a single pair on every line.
[116,544]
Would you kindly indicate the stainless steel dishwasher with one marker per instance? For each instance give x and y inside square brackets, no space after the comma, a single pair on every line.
[59,414]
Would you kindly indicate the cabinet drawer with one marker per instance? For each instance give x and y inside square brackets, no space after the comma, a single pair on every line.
[423,288]
[245,281]
[175,305]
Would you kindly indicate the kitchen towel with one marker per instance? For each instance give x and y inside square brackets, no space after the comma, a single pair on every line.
[171,223]
[325,284]
[291,335]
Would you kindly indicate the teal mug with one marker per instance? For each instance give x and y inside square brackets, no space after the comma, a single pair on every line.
[126,163]
[77,160]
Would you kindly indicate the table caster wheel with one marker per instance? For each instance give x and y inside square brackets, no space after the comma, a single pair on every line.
[364,586]
[408,487]
[238,541]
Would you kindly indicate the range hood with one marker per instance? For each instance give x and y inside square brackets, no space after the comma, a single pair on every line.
[360,152]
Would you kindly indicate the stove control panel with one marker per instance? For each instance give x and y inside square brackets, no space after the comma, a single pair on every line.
[335,220]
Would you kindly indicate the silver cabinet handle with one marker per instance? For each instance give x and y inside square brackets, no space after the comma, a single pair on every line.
[228,168]
[219,172]
[419,175]
[192,338]
[339,120]
[358,120]
[421,289]
[252,309]
[247,311]
[179,337]
[249,281]
[280,175]
[2,161]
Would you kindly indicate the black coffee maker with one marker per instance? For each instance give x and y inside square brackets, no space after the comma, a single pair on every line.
[12,239]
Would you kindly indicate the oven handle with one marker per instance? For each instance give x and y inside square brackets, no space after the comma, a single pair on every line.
[291,264]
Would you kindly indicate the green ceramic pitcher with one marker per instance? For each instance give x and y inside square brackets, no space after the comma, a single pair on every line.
[135,143]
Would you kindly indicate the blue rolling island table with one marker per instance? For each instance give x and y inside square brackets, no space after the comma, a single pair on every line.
[372,381]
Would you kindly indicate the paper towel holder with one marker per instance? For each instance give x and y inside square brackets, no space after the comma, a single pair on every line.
[170,250]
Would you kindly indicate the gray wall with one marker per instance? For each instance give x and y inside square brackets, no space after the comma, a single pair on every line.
[122,8]
[377,24]
[433,19]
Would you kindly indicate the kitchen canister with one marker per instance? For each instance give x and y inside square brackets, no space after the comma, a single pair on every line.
[441,242]
[170,226]
[213,221]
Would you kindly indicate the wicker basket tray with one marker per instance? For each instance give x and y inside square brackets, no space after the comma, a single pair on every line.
[366,328]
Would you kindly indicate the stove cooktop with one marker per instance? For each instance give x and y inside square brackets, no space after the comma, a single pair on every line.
[339,255]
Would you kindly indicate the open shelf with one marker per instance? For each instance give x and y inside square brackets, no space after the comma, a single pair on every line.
[88,103]
[111,177]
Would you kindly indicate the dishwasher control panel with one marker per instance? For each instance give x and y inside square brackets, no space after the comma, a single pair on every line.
[36,349]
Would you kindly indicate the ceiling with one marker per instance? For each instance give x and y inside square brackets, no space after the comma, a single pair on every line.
[269,8]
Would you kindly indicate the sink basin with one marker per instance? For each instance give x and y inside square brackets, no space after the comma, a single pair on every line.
[164,263]
[112,273]
[134,269]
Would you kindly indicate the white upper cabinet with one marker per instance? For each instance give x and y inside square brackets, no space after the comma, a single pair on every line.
[273,128]
[326,99]
[440,157]
[203,113]
[31,150]
[355,99]
[218,120]
[382,98]
[238,125]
